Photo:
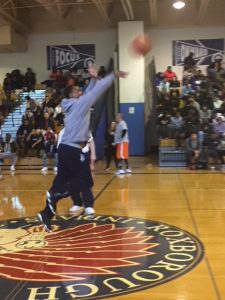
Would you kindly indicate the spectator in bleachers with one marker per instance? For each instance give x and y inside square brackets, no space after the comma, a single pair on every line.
[50,151]
[28,100]
[205,114]
[192,116]
[53,74]
[163,125]
[189,107]
[174,99]
[219,126]
[36,141]
[46,103]
[49,135]
[164,86]
[176,127]
[187,89]
[215,70]
[29,117]
[176,122]
[175,86]
[189,62]
[101,72]
[17,79]
[21,136]
[38,117]
[194,103]
[193,148]
[47,122]
[159,77]
[216,103]
[191,124]
[169,74]
[7,84]
[85,85]
[55,100]
[199,76]
[33,106]
[206,128]
[58,115]
[30,80]
[59,82]
[8,149]
[210,148]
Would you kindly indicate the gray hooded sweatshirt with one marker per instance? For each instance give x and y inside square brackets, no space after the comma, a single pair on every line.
[77,111]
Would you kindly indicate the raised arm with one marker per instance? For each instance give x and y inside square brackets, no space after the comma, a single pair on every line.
[101,86]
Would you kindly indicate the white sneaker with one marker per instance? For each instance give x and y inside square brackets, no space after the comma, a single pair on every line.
[55,169]
[128,171]
[88,211]
[120,172]
[45,169]
[76,208]
[12,168]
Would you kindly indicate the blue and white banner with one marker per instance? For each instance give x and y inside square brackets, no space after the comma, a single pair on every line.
[205,51]
[67,57]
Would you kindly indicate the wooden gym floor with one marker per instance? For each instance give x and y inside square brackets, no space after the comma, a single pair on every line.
[193,201]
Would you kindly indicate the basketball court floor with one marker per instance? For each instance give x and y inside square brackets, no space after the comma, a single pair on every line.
[158,234]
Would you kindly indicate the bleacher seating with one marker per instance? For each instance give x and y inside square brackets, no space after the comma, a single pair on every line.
[13,120]
[169,155]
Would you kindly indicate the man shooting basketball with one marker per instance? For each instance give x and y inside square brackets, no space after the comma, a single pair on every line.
[74,174]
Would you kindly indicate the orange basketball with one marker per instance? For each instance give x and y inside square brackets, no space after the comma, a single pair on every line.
[141,44]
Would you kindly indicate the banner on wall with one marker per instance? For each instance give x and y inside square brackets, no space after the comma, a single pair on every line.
[205,51]
[70,56]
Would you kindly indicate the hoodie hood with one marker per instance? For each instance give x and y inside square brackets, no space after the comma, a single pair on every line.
[66,104]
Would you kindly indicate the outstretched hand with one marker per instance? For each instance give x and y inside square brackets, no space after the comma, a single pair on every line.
[121,74]
[93,71]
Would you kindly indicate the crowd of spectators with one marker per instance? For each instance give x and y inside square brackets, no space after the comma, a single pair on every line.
[60,79]
[37,134]
[192,111]
[8,90]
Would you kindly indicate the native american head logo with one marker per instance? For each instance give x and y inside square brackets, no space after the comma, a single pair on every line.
[70,254]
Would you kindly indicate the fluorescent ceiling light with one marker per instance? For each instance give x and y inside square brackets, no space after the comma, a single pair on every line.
[178,4]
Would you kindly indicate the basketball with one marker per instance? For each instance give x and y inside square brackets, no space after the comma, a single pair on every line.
[141,45]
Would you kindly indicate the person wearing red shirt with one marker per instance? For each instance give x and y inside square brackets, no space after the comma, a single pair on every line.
[169,74]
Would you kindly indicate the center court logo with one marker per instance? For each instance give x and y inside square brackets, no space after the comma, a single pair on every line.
[103,257]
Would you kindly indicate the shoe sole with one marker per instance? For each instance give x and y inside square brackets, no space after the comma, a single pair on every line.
[89,216]
[41,220]
[77,212]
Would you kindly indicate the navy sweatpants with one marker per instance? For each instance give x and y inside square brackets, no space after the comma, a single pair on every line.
[74,175]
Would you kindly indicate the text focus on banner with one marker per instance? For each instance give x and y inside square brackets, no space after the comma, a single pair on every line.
[70,56]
